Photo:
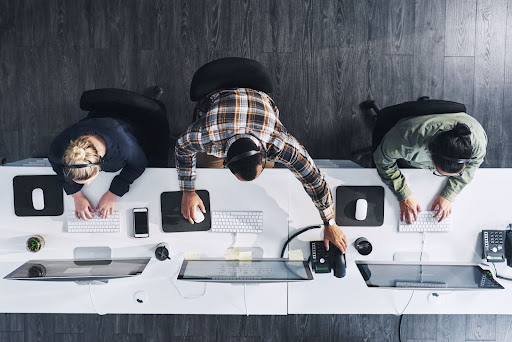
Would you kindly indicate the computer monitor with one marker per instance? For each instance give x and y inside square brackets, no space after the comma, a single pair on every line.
[85,270]
[241,271]
[426,275]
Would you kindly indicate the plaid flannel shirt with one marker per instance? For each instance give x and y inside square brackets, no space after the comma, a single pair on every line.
[225,114]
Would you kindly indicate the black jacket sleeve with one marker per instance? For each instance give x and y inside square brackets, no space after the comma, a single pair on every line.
[136,163]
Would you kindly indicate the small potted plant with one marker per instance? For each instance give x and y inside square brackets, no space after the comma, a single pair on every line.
[35,243]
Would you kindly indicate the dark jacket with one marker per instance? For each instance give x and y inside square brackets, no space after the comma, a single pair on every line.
[123,152]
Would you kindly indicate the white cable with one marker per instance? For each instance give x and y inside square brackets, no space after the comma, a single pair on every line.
[421,272]
[92,302]
[235,239]
[181,294]
[406,305]
[245,302]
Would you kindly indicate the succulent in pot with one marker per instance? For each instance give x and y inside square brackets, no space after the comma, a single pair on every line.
[35,243]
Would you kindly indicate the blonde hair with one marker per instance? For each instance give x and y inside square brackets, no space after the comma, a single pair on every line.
[80,151]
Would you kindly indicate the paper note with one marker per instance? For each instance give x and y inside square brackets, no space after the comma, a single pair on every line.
[245,255]
[191,256]
[231,254]
[295,255]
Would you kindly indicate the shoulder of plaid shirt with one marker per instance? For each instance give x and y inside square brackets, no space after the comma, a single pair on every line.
[233,112]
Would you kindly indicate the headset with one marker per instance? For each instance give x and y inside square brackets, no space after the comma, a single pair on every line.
[81,166]
[455,160]
[248,154]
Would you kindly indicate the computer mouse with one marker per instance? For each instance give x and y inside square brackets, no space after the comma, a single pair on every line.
[198,216]
[361,209]
[38,199]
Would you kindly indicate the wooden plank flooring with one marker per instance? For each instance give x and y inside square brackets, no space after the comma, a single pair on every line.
[335,328]
[325,57]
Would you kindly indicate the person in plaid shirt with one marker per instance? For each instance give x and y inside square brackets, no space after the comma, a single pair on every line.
[243,121]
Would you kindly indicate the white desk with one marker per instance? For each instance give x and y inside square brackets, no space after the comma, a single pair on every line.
[484,204]
[269,193]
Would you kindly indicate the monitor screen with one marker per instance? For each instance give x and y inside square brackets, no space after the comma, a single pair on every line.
[426,276]
[255,271]
[73,270]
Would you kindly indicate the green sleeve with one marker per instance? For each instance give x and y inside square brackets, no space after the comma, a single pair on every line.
[456,184]
[385,157]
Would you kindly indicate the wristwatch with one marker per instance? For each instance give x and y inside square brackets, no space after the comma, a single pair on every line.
[331,222]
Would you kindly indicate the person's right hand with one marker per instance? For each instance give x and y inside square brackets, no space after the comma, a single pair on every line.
[409,209]
[189,201]
[83,209]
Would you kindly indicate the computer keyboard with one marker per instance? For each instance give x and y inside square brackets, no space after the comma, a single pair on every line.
[426,223]
[237,221]
[94,225]
[413,284]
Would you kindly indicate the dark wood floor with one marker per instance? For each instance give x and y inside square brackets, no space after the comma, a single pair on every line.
[325,57]
[293,328]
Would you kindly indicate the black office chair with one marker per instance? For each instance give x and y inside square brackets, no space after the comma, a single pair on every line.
[384,119]
[147,115]
[225,73]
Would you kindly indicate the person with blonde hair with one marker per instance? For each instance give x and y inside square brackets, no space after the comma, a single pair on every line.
[123,131]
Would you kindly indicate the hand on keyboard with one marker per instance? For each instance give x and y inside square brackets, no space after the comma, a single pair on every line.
[106,204]
[442,206]
[409,209]
[83,209]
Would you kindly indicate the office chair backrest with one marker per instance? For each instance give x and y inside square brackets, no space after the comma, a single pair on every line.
[389,116]
[229,72]
[116,100]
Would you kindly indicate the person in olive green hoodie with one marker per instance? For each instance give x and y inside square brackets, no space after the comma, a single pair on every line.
[451,145]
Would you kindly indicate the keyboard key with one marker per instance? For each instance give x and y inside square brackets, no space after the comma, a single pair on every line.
[237,221]
[94,225]
[426,223]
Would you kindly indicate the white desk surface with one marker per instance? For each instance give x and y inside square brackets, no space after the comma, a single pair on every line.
[227,193]
[484,204]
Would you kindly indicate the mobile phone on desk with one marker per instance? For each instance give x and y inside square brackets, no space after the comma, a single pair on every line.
[140,222]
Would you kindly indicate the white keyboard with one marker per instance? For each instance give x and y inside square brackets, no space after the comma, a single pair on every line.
[237,221]
[426,223]
[94,225]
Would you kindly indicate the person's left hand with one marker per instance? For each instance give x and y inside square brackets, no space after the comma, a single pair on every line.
[442,206]
[106,204]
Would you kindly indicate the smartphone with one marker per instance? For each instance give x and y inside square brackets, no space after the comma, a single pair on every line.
[140,222]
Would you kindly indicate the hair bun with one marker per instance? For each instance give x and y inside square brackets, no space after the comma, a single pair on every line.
[461,130]
[78,153]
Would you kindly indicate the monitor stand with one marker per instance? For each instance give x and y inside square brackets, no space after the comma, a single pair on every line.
[411,256]
[100,252]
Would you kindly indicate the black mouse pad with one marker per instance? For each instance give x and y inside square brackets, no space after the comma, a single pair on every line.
[52,195]
[346,198]
[172,219]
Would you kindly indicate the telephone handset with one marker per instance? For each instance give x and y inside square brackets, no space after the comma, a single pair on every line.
[324,261]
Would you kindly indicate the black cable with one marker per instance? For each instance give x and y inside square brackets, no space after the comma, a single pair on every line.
[294,236]
[400,329]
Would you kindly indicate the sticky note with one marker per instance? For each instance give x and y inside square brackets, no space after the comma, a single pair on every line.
[231,254]
[295,255]
[245,255]
[191,256]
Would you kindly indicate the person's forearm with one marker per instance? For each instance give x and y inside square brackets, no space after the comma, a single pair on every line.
[455,184]
[391,175]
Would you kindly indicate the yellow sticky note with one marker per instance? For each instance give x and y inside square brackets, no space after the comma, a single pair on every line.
[245,255]
[231,254]
[295,255]
[192,256]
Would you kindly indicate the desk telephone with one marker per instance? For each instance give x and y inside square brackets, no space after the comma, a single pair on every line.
[324,261]
[497,246]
